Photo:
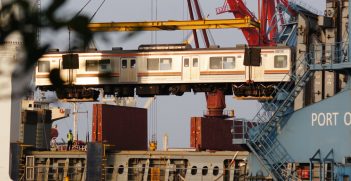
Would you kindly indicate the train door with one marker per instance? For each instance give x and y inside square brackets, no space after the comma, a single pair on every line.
[255,73]
[191,68]
[258,73]
[128,70]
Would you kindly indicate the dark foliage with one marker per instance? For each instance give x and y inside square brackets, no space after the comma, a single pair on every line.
[20,16]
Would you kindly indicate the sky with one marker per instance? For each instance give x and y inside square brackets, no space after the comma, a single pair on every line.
[173,112]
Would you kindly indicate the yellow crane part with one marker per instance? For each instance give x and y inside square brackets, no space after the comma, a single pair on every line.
[174,25]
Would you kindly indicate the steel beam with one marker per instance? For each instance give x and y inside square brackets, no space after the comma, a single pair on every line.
[173,25]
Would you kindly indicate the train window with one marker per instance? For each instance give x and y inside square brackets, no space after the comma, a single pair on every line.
[215,62]
[105,64]
[165,64]
[280,61]
[195,62]
[132,63]
[153,64]
[124,64]
[204,170]
[43,66]
[91,65]
[228,62]
[215,170]
[186,62]
[193,170]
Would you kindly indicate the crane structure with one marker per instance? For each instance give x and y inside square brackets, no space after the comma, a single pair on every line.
[244,22]
[270,15]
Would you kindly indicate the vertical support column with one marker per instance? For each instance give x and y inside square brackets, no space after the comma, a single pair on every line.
[94,161]
[66,169]
[329,82]
[47,167]
[16,169]
[301,49]
[75,121]
[147,168]
[168,166]
[10,102]
[215,103]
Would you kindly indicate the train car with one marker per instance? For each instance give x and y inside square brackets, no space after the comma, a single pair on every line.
[163,70]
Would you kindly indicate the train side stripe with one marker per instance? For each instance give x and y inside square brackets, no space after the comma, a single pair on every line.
[42,76]
[222,73]
[99,75]
[276,71]
[142,74]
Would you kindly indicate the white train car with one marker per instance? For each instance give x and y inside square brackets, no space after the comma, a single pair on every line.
[158,70]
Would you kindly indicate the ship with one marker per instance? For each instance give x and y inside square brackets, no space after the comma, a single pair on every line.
[300,133]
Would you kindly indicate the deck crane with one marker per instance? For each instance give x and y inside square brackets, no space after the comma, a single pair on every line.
[270,15]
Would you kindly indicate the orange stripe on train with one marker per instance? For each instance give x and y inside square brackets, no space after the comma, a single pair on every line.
[276,71]
[222,73]
[141,74]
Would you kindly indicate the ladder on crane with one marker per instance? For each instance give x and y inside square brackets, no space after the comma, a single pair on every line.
[263,136]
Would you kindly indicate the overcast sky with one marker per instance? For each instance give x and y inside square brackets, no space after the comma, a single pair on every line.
[173,113]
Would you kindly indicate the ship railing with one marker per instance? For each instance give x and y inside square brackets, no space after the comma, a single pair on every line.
[329,53]
[43,172]
[75,147]
[227,113]
[174,173]
[299,5]
[240,129]
[79,173]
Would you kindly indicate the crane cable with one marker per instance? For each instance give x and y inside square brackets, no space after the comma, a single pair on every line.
[69,29]
[91,18]
[154,16]
[96,10]
[211,39]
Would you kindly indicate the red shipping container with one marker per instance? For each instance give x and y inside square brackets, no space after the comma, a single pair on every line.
[123,127]
[213,134]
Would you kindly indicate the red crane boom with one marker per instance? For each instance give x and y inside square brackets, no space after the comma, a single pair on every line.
[267,17]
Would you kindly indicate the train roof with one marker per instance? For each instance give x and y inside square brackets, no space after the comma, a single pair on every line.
[158,48]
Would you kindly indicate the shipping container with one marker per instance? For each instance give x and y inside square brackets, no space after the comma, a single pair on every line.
[123,127]
[213,134]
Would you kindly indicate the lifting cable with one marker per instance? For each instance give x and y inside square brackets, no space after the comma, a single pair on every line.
[211,39]
[154,16]
[96,10]
[69,29]
[91,18]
